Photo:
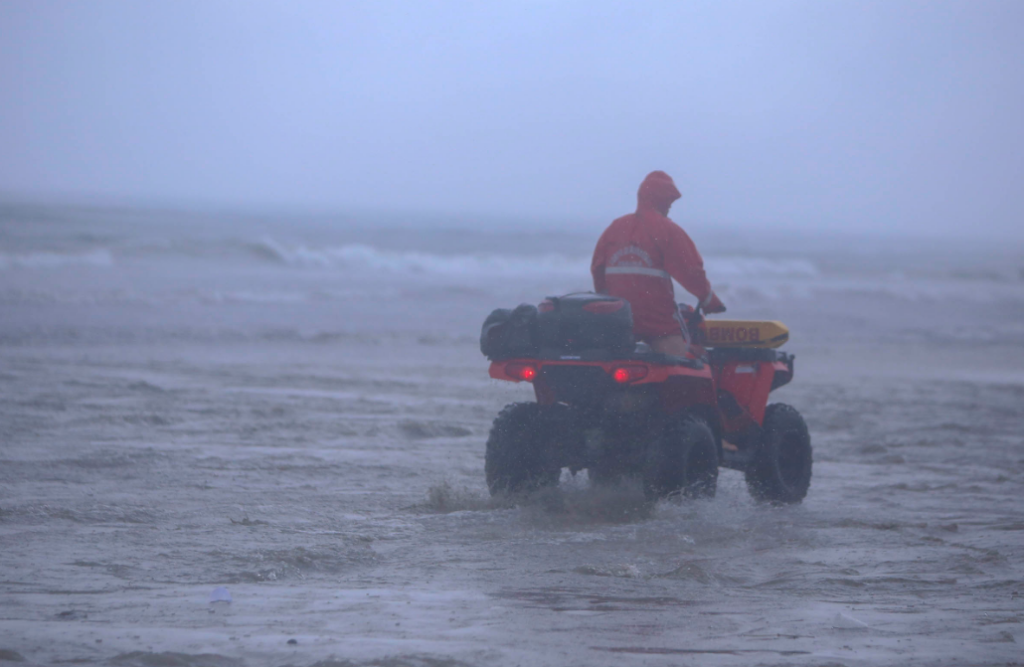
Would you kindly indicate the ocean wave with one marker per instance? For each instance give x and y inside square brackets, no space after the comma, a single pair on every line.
[169,334]
[265,297]
[731,268]
[360,256]
[52,260]
[502,290]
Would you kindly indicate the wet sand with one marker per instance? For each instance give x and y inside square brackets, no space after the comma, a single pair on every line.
[335,488]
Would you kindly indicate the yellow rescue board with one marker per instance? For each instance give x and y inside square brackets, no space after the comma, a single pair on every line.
[745,333]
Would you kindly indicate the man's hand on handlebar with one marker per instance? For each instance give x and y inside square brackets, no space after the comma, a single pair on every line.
[713,305]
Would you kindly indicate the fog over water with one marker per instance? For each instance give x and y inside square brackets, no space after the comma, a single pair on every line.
[246,249]
[882,116]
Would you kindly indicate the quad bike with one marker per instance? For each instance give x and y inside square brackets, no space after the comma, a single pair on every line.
[619,409]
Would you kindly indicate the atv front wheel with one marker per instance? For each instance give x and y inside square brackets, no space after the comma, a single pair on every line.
[781,470]
[682,461]
[517,457]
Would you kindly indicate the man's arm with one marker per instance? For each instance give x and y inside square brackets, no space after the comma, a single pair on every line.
[684,263]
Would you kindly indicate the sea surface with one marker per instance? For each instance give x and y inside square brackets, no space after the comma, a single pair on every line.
[294,408]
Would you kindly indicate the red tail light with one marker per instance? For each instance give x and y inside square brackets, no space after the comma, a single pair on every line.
[546,306]
[524,372]
[602,307]
[625,374]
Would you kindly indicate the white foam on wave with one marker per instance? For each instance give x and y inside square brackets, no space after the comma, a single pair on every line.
[51,260]
[361,271]
[267,297]
[366,257]
[752,290]
[359,256]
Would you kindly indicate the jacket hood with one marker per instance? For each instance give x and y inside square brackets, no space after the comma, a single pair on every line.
[657,192]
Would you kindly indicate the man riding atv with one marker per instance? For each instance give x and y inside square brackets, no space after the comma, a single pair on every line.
[670,416]
[636,259]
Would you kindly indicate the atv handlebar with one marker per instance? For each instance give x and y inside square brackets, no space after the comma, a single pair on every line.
[691,314]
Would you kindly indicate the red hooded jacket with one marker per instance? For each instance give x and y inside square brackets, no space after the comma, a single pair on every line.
[639,254]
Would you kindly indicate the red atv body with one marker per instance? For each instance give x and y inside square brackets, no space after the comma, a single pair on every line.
[671,421]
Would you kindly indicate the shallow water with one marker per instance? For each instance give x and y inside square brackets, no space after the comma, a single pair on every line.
[324,463]
[337,492]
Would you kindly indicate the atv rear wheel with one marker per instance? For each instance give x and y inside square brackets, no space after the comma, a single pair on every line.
[518,457]
[781,470]
[683,460]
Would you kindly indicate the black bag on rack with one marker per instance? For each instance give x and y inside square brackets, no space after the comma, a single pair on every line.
[585,321]
[507,334]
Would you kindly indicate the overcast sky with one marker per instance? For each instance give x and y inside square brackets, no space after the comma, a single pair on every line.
[888,115]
